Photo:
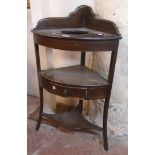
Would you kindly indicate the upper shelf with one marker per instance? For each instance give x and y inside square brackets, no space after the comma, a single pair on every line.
[76,34]
[80,25]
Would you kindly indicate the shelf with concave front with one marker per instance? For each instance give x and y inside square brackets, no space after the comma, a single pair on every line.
[74,81]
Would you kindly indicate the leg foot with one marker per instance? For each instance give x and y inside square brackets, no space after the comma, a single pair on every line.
[105,142]
[105,117]
[38,122]
[37,126]
[41,109]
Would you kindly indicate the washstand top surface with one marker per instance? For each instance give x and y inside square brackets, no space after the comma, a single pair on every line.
[82,24]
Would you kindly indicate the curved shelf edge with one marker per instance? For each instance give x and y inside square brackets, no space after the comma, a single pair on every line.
[74,81]
[72,120]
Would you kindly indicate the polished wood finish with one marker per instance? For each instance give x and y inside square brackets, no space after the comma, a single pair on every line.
[74,81]
[76,45]
[76,34]
[80,76]
[41,108]
[73,120]
[83,57]
[81,31]
[83,16]
[103,34]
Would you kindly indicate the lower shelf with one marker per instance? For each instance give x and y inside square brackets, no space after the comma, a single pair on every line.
[74,81]
[73,120]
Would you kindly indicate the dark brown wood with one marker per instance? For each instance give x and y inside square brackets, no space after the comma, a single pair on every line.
[80,76]
[41,108]
[64,91]
[102,35]
[97,92]
[73,120]
[80,34]
[40,88]
[81,31]
[82,83]
[76,45]
[28,4]
[36,47]
[80,106]
[105,117]
[83,57]
[83,16]
[107,99]
[112,66]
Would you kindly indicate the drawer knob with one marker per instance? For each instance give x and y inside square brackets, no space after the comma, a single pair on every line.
[53,87]
[65,92]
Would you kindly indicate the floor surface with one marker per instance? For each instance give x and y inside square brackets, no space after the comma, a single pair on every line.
[51,141]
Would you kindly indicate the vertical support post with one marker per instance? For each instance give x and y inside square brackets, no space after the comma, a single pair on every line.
[36,47]
[40,88]
[82,63]
[107,99]
[83,56]
[112,66]
[80,106]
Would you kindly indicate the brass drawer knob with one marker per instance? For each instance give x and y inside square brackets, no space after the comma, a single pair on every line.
[54,87]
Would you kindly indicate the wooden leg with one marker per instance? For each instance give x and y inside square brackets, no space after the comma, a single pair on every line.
[105,117]
[41,108]
[80,105]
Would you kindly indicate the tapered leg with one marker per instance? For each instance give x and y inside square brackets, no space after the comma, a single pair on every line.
[41,108]
[80,106]
[105,117]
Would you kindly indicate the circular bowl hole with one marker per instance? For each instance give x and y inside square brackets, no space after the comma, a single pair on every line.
[74,31]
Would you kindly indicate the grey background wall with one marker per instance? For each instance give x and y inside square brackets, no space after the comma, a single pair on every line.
[117,11]
[50,8]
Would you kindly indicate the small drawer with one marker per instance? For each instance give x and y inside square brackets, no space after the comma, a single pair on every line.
[97,92]
[61,90]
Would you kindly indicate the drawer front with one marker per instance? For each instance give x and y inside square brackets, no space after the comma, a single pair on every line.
[61,90]
[96,93]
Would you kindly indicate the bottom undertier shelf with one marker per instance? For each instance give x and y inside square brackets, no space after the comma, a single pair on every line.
[72,120]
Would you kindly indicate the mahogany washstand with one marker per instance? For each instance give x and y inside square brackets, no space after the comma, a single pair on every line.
[81,31]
